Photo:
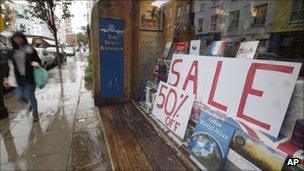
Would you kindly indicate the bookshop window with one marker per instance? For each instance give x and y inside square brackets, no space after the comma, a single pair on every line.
[213,23]
[297,11]
[199,28]
[259,15]
[234,20]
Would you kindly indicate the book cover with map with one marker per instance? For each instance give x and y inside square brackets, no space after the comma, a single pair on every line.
[210,142]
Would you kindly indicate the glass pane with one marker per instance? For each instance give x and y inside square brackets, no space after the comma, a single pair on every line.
[295,4]
[301,4]
[294,16]
[301,15]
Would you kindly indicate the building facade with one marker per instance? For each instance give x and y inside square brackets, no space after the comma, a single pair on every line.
[248,20]
[207,20]
[287,31]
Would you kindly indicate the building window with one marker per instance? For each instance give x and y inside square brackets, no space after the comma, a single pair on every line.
[201,7]
[179,11]
[297,11]
[199,27]
[215,2]
[213,23]
[259,15]
[233,20]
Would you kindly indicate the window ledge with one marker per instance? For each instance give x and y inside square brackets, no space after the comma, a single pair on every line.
[296,22]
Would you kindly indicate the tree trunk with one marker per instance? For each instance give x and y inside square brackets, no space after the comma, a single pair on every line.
[58,54]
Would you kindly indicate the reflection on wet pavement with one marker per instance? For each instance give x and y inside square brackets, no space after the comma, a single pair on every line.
[68,135]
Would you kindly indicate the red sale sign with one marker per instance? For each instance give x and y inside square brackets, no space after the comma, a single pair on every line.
[172,107]
[256,92]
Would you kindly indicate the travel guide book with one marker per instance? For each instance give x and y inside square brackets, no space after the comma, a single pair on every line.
[210,142]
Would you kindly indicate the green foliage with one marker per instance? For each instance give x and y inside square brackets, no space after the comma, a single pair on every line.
[45,11]
[81,38]
[89,70]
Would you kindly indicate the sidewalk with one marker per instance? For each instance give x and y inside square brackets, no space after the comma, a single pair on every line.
[68,135]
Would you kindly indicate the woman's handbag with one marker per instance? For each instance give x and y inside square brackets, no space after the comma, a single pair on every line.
[40,76]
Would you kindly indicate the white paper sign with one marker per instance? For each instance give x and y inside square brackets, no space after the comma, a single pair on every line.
[172,107]
[195,46]
[218,48]
[255,92]
[247,49]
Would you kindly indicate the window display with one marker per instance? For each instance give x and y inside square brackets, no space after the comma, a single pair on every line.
[234,61]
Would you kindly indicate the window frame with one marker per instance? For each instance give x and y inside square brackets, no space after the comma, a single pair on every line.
[199,25]
[298,11]
[230,27]
[259,25]
[212,23]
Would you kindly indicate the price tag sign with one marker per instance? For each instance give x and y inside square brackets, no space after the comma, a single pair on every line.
[172,107]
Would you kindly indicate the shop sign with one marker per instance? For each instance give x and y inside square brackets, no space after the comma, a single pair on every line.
[111,37]
[255,92]
[172,107]
[247,49]
[195,46]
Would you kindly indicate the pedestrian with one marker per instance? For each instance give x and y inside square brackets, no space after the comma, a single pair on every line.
[24,58]
[3,71]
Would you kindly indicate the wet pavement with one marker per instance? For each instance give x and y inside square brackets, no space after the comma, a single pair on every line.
[68,136]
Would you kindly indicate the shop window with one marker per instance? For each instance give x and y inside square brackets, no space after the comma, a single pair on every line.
[199,27]
[234,20]
[213,23]
[201,7]
[259,15]
[297,11]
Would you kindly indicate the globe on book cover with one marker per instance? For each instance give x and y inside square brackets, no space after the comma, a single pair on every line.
[210,141]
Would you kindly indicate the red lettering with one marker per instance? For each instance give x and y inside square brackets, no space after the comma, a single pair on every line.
[161,94]
[177,124]
[171,91]
[213,88]
[175,72]
[249,90]
[192,78]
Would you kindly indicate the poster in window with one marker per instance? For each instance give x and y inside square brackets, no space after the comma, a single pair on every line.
[151,18]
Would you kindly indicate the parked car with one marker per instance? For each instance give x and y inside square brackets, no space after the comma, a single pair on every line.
[47,59]
[52,52]
[69,50]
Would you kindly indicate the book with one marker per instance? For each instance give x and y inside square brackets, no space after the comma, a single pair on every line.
[210,142]
[260,155]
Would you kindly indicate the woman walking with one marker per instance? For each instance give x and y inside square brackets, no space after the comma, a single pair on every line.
[25,59]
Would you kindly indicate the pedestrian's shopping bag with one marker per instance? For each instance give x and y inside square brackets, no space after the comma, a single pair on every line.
[11,76]
[41,77]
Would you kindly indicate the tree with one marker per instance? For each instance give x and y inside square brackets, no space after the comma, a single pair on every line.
[45,10]
[81,38]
